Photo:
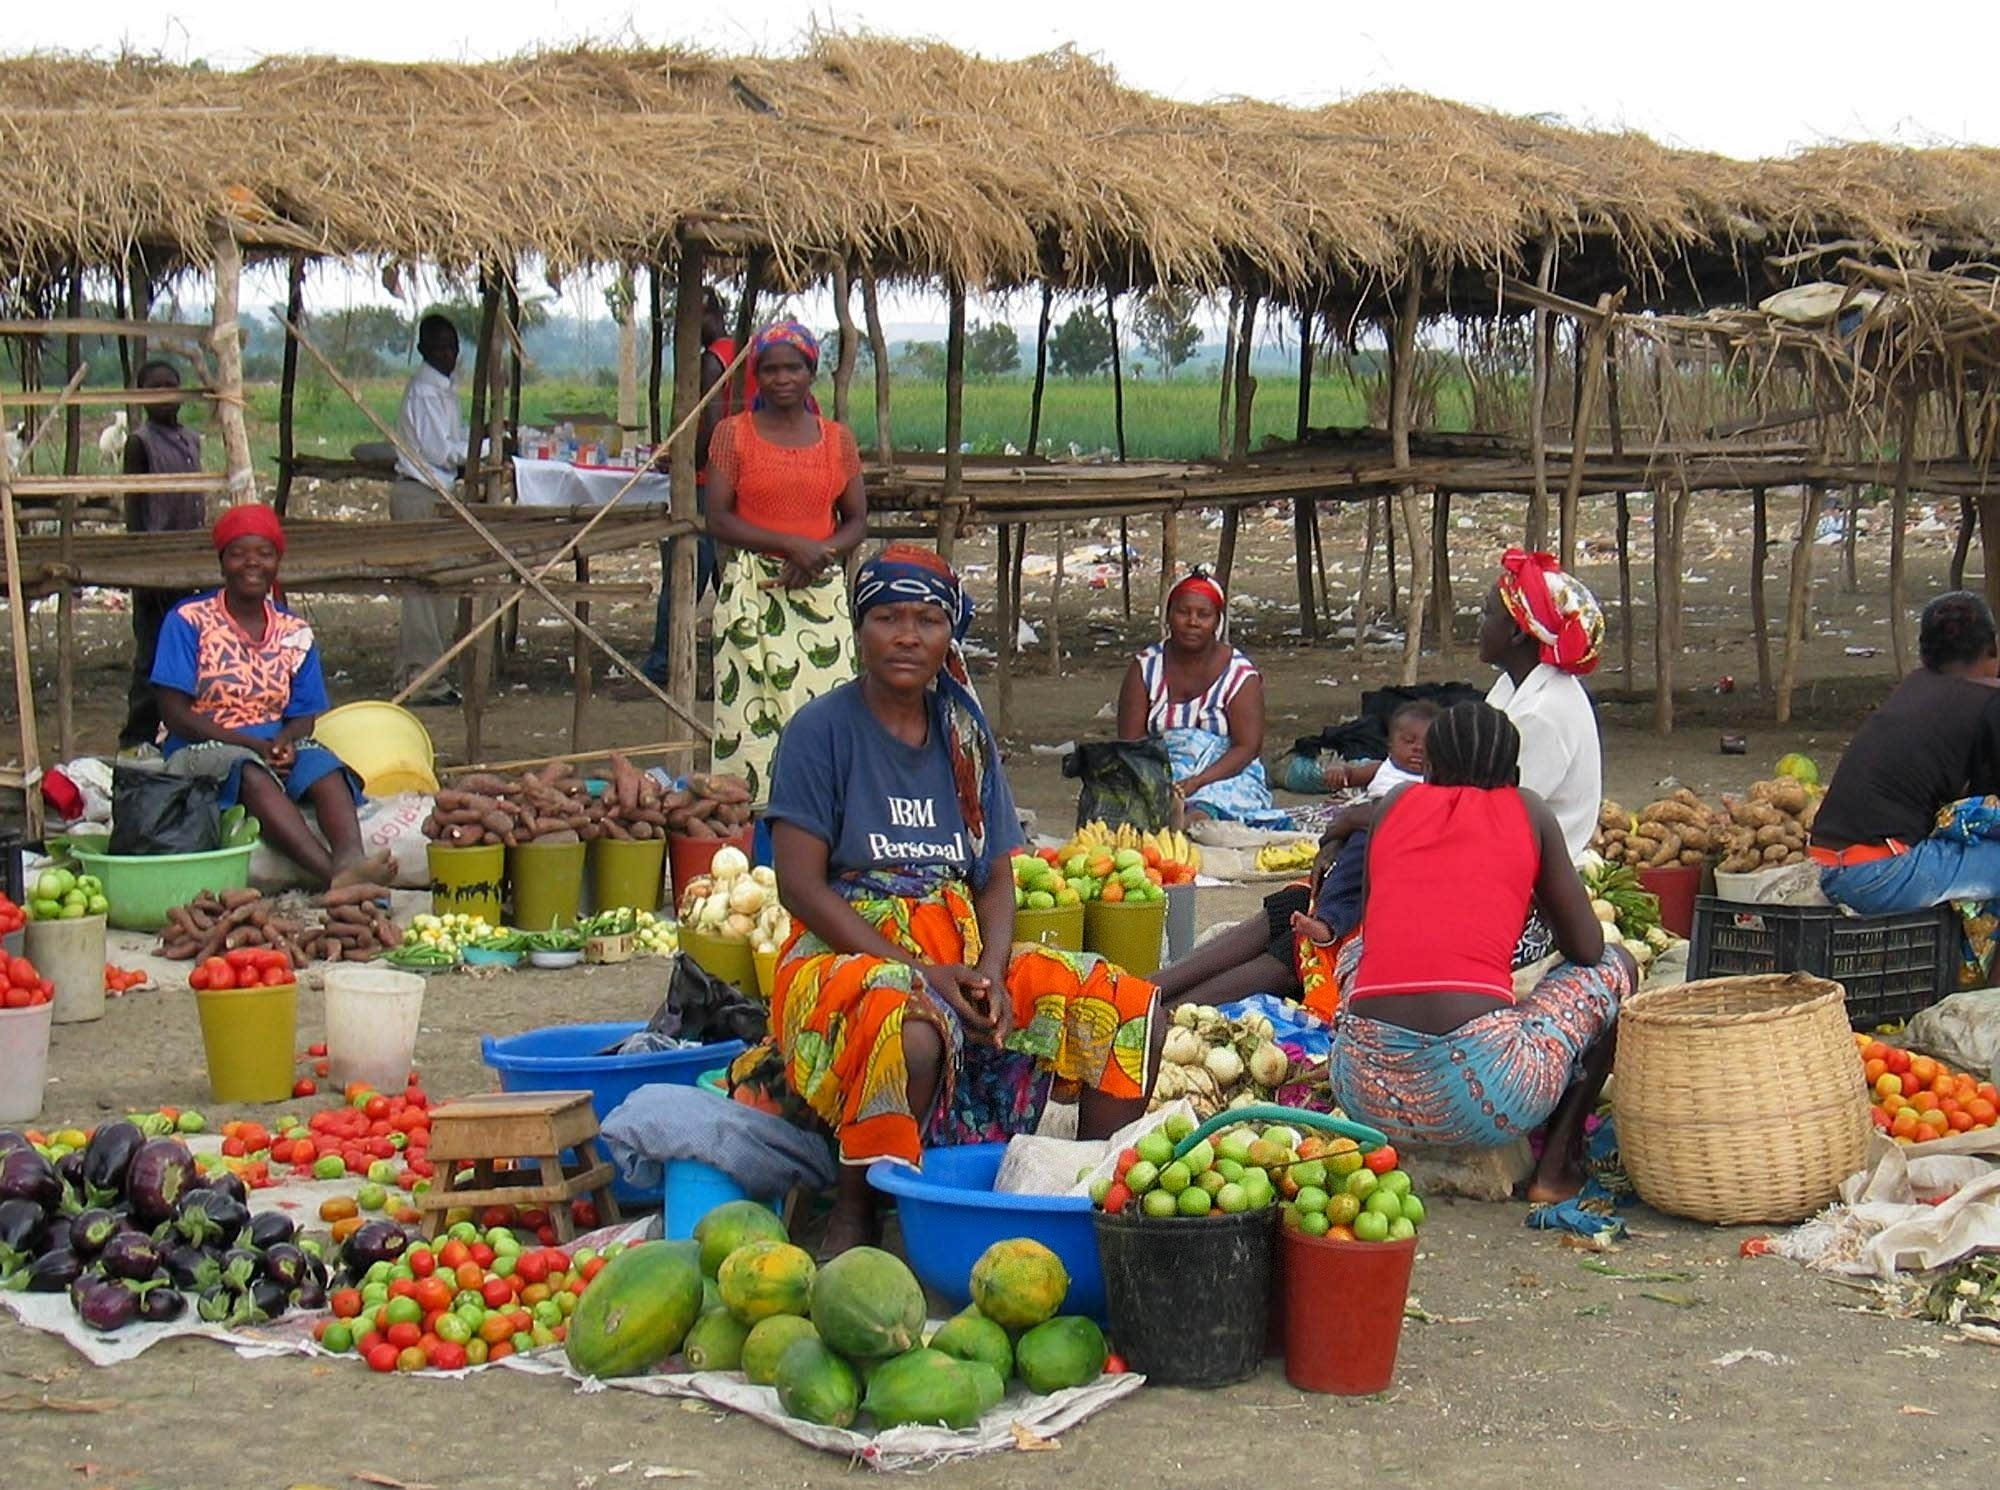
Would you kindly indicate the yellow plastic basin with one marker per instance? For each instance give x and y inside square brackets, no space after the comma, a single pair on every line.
[384,744]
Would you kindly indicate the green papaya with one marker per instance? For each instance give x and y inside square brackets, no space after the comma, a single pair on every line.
[1067,1351]
[716,1342]
[923,1386]
[815,1384]
[992,1385]
[729,1226]
[973,1337]
[868,1305]
[767,1343]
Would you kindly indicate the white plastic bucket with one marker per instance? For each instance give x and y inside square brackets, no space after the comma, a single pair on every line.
[24,1061]
[70,954]
[371,1025]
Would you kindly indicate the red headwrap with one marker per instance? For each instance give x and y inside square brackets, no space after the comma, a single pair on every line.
[1554,608]
[250,520]
[1200,584]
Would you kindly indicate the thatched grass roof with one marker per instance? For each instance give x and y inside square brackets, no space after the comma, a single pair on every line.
[918,158]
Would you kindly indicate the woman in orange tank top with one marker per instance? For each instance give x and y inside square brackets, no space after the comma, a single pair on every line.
[1433,1047]
[785,492]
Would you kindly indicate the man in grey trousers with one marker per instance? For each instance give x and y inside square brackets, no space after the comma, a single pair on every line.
[433,428]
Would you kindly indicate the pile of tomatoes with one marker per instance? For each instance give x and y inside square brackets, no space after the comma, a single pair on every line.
[1915,1099]
[22,987]
[365,1129]
[244,967]
[470,1299]
[12,917]
[119,981]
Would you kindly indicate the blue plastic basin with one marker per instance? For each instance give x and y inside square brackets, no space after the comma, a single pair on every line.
[950,1214]
[566,1057]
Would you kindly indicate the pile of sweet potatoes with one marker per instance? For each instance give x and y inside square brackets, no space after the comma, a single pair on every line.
[548,806]
[350,924]
[712,807]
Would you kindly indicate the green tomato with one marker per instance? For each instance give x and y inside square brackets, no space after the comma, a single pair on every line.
[463,1231]
[454,1328]
[615,1249]
[503,1264]
[382,1272]
[582,1255]
[329,1167]
[502,1239]
[374,1295]
[404,1310]
[1413,1211]
[400,1272]
[567,1302]
[190,1122]
[383,1172]
[339,1337]
[371,1197]
[523,1342]
[548,1313]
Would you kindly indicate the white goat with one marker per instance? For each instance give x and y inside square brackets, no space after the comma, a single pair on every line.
[111,444]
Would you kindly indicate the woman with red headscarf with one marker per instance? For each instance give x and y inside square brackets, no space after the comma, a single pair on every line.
[1205,701]
[1544,631]
[240,683]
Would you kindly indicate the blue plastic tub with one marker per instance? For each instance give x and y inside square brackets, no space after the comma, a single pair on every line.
[565,1057]
[692,1190]
[950,1214]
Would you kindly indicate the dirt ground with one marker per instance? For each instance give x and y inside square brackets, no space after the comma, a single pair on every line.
[1534,1367]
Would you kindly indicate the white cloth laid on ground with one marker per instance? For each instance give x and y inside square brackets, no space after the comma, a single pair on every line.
[557,483]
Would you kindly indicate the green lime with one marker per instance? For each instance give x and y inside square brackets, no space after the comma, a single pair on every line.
[1155,1148]
[1142,1176]
[1413,1210]
[1175,1178]
[1231,1199]
[1371,1226]
[1195,1201]
[1310,1199]
[1396,1182]
[1158,1204]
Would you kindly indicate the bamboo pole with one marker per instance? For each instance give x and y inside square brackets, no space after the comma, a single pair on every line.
[951,499]
[656,341]
[1402,376]
[1041,370]
[878,348]
[1760,621]
[1055,606]
[226,339]
[1798,602]
[475,465]
[1239,443]
[581,681]
[288,383]
[849,344]
[479,668]
[17,631]
[1538,397]
[680,575]
[1899,521]
[1664,563]
[1395,607]
[625,295]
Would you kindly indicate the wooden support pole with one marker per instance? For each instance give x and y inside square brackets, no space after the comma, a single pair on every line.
[226,339]
[66,596]
[1170,558]
[1246,385]
[72,360]
[1798,602]
[1611,411]
[1538,398]
[1989,545]
[1590,375]
[1307,346]
[1228,376]
[680,575]
[1850,580]
[1117,373]
[624,298]
[512,429]
[1361,582]
[489,316]
[1441,602]
[479,669]
[288,383]
[849,344]
[951,499]
[1009,628]
[656,343]
[1395,605]
[1666,564]
[1625,590]
[1055,605]
[746,312]
[1402,376]
[1041,370]
[1305,511]
[1760,621]
[878,349]
[20,658]
[1899,522]
[1968,507]
[580,660]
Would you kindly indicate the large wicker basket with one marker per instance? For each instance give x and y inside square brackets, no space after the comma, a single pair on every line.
[1739,1100]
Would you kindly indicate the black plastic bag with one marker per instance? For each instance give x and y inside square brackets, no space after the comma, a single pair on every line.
[703,1008]
[159,812]
[1124,781]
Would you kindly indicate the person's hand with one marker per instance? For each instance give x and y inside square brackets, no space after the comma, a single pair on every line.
[1312,928]
[284,755]
[964,989]
[999,1005]
[811,555]
[793,577]
[262,748]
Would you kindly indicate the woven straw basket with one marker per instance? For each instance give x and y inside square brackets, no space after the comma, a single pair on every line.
[1739,1100]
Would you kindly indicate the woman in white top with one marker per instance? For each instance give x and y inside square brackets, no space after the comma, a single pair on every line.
[1545,631]
[1205,701]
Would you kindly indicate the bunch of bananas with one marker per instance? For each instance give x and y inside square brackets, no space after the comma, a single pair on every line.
[1284,858]
[1170,845]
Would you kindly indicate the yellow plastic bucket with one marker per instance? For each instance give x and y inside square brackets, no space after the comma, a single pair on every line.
[249,1035]
[1126,933]
[729,958]
[1060,926]
[470,881]
[548,884]
[627,873]
[767,972]
[384,744]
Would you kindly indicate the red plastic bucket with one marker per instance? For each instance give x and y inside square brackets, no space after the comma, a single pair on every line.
[1677,887]
[690,858]
[1343,1311]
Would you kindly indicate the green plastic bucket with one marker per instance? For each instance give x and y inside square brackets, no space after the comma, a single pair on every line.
[142,888]
[627,872]
[468,881]
[1059,926]
[249,1035]
[548,884]
[1126,933]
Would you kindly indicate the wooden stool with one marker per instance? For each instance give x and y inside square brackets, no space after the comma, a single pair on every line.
[530,1126]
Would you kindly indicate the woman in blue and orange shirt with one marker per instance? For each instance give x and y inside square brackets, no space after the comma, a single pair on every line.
[240,684]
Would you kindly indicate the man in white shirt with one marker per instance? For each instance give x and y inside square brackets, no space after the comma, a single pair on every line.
[1544,631]
[432,427]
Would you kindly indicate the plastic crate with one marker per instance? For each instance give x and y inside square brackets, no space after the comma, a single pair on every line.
[1891,966]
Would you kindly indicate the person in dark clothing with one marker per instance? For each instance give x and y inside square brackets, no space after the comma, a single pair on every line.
[161,446]
[1935,740]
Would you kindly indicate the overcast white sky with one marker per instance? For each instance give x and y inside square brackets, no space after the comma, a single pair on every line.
[1737,77]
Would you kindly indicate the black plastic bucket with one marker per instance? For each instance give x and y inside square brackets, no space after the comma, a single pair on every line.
[1189,1298]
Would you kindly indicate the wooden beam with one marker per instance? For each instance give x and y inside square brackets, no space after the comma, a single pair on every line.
[951,499]
[17,633]
[1666,565]
[66,596]
[489,316]
[1009,628]
[1306,349]
[580,652]
[288,382]
[680,575]
[1798,602]
[99,326]
[1041,370]
[1402,377]
[1361,580]
[878,348]
[1228,376]
[226,338]
[130,397]
[1899,522]
[1760,621]
[656,341]
[746,310]
[479,668]
[1442,616]
[1625,590]
[848,346]
[1590,358]
[1117,373]
[112,486]
[1305,507]
[1538,397]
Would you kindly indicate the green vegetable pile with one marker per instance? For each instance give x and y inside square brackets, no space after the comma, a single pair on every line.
[420,957]
[1618,884]
[568,939]
[624,921]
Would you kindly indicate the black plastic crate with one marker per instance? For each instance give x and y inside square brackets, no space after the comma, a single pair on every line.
[1891,966]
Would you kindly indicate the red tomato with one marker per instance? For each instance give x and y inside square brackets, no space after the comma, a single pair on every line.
[402,1288]
[448,1357]
[1380,1161]
[496,1215]
[366,1342]
[275,977]
[423,1264]
[496,1293]
[378,1107]
[284,1151]
[592,1268]
[532,1267]
[584,1214]
[16,998]
[381,1358]
[232,1148]
[198,978]
[454,1254]
[403,1336]
[1115,1365]
[546,1235]
[21,972]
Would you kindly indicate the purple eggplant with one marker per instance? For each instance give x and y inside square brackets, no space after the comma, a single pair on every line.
[210,1218]
[378,1241]
[132,1255]
[190,1268]
[26,1175]
[69,1170]
[90,1231]
[309,1296]
[161,1172]
[10,1139]
[285,1265]
[268,1228]
[107,1159]
[225,1183]
[107,1305]
[23,1225]
[57,1235]
[215,1304]
[268,1300]
[239,1266]
[54,1271]
[161,1303]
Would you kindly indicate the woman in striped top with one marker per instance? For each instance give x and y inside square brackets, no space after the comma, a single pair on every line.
[1205,701]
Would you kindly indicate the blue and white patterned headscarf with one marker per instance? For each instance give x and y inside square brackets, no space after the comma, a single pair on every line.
[902,573]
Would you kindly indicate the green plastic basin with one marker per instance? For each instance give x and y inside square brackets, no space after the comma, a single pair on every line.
[142,888]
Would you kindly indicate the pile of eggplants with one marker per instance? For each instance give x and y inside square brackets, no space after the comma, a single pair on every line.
[133,1231]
